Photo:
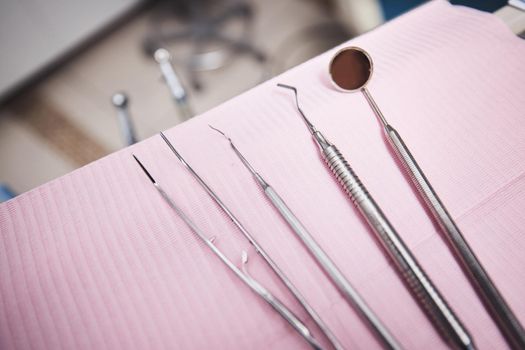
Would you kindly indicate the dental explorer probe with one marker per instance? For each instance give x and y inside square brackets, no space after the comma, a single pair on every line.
[267,259]
[351,70]
[177,91]
[345,288]
[255,286]
[437,309]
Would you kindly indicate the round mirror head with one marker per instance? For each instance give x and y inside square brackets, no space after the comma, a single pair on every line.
[350,69]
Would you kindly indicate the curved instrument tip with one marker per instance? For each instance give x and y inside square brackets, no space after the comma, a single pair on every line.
[287,87]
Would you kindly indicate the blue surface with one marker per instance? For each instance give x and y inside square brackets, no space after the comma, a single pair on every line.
[5,193]
[392,8]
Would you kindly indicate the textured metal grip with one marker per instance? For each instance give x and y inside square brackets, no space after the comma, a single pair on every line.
[505,319]
[422,288]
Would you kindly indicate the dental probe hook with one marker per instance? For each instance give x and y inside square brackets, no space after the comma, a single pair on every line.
[311,127]
[255,286]
[319,138]
[239,154]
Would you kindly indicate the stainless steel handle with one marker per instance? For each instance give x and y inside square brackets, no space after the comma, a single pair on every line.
[421,286]
[348,292]
[255,286]
[505,318]
[259,249]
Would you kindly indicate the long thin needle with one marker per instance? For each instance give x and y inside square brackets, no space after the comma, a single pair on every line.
[268,260]
[255,286]
[172,204]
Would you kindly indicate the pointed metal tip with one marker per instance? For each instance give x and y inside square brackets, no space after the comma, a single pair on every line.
[223,134]
[219,131]
[237,152]
[294,89]
[170,145]
[175,152]
[144,169]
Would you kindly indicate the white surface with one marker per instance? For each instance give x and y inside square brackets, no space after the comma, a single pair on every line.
[513,17]
[517,3]
[33,33]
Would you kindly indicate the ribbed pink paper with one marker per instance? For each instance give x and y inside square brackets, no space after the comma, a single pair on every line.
[96,260]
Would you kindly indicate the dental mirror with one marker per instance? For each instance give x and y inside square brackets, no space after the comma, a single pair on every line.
[350,70]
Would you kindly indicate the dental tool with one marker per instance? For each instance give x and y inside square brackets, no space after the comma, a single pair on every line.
[345,288]
[177,91]
[351,70]
[266,257]
[243,275]
[437,309]
[121,102]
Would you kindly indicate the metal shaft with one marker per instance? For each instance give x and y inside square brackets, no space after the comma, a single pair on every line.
[441,315]
[255,286]
[346,289]
[329,267]
[435,306]
[259,249]
[502,314]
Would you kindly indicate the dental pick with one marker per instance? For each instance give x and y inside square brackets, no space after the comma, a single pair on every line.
[243,275]
[345,288]
[266,257]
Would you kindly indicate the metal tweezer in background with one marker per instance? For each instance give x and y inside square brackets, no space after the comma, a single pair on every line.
[346,289]
[255,286]
[430,299]
[274,267]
